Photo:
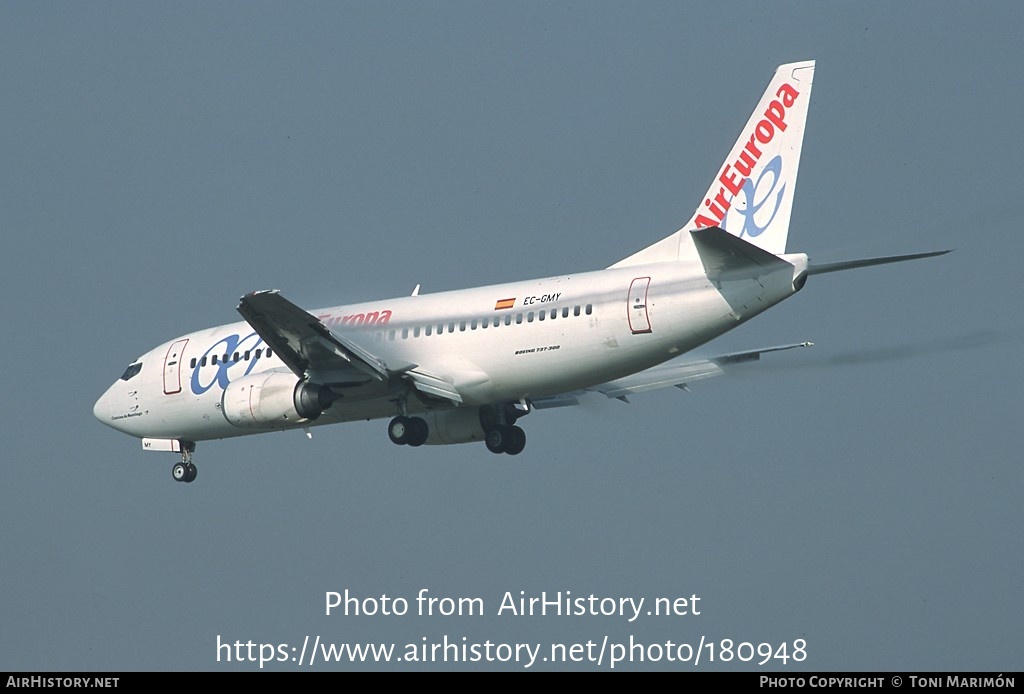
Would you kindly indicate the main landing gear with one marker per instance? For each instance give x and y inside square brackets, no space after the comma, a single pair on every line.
[494,424]
[408,431]
[500,438]
[185,471]
[505,438]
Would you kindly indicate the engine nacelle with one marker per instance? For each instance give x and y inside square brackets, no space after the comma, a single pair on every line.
[461,425]
[274,399]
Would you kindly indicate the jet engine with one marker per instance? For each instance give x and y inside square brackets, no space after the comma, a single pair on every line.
[274,398]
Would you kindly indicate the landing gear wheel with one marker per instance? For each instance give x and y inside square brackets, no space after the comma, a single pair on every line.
[516,441]
[419,431]
[183,472]
[497,438]
[506,439]
[400,429]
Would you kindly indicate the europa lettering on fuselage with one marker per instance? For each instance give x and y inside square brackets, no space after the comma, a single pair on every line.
[736,176]
[369,318]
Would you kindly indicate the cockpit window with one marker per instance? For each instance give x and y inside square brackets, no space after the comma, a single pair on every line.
[131,371]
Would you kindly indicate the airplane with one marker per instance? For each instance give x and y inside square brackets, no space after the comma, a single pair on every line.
[465,365]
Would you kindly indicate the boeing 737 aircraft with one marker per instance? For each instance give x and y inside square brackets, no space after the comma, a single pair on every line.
[466,365]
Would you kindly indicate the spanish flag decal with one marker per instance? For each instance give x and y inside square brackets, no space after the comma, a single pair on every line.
[505,303]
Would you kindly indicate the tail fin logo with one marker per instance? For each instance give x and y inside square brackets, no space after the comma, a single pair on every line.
[749,211]
[751,194]
[736,176]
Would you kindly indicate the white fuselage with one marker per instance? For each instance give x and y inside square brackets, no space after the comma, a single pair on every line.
[503,343]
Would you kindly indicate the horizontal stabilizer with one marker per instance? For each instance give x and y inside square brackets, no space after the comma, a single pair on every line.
[727,257]
[818,269]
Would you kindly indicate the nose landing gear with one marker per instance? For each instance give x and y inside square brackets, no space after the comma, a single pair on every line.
[185,471]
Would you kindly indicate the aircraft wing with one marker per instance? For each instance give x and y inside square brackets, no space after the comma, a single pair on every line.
[306,345]
[311,350]
[673,373]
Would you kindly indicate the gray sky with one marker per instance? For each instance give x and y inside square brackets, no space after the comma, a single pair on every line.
[162,159]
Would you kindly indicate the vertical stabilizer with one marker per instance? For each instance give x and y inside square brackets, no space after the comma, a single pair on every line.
[752,195]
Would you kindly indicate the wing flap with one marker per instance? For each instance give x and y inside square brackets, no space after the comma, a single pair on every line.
[433,385]
[550,401]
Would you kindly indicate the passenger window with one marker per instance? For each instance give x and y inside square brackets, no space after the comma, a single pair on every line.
[235,357]
[575,310]
[519,319]
[565,312]
[590,309]
[529,317]
[214,360]
[192,364]
[416,331]
[270,353]
[405,333]
[508,319]
[472,325]
[429,327]
[554,313]
[541,315]
[202,361]
[497,321]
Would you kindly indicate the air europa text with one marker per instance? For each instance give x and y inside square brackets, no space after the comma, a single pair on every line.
[764,132]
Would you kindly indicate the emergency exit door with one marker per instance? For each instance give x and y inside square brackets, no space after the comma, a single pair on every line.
[639,322]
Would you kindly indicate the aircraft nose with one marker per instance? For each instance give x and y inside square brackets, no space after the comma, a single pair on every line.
[103,410]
